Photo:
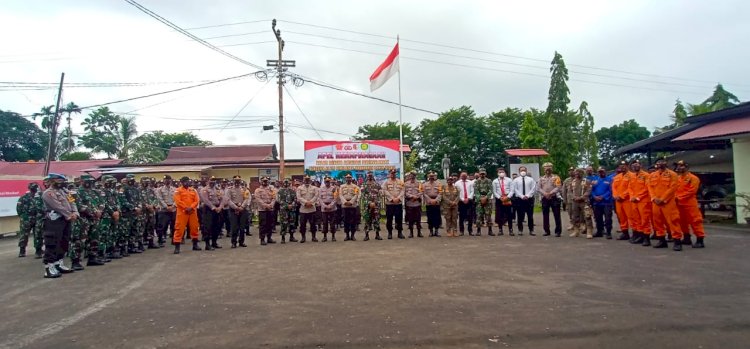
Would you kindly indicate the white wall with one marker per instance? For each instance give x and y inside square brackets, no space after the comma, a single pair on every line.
[741,155]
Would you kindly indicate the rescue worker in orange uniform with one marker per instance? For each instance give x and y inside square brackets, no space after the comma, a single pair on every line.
[640,205]
[687,205]
[621,196]
[186,201]
[662,186]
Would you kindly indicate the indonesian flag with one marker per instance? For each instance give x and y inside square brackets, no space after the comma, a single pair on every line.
[388,68]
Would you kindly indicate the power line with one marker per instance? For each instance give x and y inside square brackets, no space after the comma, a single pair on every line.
[233,35]
[228,24]
[188,34]
[246,104]
[301,112]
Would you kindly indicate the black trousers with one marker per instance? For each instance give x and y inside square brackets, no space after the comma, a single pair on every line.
[211,224]
[414,216]
[225,220]
[603,218]
[349,214]
[56,235]
[391,212]
[329,223]
[236,222]
[524,209]
[503,215]
[265,224]
[433,216]
[304,220]
[164,220]
[465,215]
[554,204]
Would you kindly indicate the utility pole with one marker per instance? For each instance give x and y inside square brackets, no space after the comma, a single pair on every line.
[53,128]
[280,66]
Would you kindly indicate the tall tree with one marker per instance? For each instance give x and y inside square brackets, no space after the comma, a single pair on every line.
[504,126]
[386,130]
[561,125]
[108,133]
[69,144]
[531,135]
[20,139]
[679,113]
[721,99]
[588,147]
[617,136]
[126,137]
[154,147]
[456,133]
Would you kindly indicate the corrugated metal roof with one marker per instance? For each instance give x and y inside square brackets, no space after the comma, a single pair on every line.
[220,154]
[526,152]
[718,129]
[155,169]
[67,168]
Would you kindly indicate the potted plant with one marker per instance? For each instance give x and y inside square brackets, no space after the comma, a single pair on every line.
[742,201]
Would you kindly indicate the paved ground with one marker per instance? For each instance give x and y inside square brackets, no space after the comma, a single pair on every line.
[485,292]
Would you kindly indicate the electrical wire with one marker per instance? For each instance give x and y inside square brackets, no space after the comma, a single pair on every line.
[228,24]
[246,104]
[301,112]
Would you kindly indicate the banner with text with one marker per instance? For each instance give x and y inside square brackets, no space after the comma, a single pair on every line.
[339,158]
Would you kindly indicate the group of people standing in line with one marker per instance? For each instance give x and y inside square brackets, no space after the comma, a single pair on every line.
[106,219]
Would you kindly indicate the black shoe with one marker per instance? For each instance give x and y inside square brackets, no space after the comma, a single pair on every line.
[264,243]
[63,269]
[215,245]
[390,236]
[325,238]
[347,238]
[76,266]
[510,233]
[608,236]
[161,244]
[624,236]
[283,239]
[479,233]
[377,236]
[292,239]
[500,233]
[557,235]
[419,234]
[687,240]
[196,247]
[270,241]
[546,234]
[471,233]
[699,243]
[490,233]
[531,233]
[401,236]
[314,239]
[93,261]
[646,240]
[669,237]
[51,272]
[333,237]
[638,238]
[303,239]
[367,237]
[115,255]
[677,245]
[461,234]
[38,253]
[242,244]
[411,235]
[662,243]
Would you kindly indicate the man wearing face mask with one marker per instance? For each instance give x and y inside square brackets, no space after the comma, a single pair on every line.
[349,195]
[483,192]
[26,211]
[307,195]
[413,196]
[60,212]
[502,189]
[328,196]
[601,195]
[432,196]
[393,190]
[234,199]
[89,241]
[186,201]
[131,213]
[621,198]
[265,199]
[662,186]
[549,188]
[524,188]
[449,205]
[567,198]
[466,202]
[580,191]
[640,200]
[165,215]
[371,197]
[212,209]
[286,197]
[687,205]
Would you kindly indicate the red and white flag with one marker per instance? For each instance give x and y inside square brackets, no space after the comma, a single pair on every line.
[388,68]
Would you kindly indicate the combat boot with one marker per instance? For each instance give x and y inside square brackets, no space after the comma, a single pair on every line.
[624,236]
[401,235]
[140,247]
[195,245]
[152,245]
[161,243]
[638,238]
[411,233]
[669,237]
[419,233]
[283,238]
[103,257]
[662,242]
[646,241]
[94,261]
[314,237]
[347,238]
[677,245]
[291,237]
[38,253]
[304,238]
[479,231]
[687,240]
[352,238]
[490,233]
[124,251]
[215,244]
[76,265]
[367,236]
[51,272]
[500,233]
[242,244]
[325,237]
[62,268]
[333,237]
[208,246]
[390,235]
[699,243]
[377,235]
[21,252]
[269,240]
[177,248]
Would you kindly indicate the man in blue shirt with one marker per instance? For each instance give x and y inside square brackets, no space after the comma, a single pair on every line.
[601,199]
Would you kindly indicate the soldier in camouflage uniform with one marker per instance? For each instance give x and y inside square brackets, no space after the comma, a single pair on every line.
[580,189]
[108,222]
[371,205]
[567,197]
[90,208]
[286,197]
[38,204]
[150,203]
[131,209]
[26,210]
[79,228]
[483,195]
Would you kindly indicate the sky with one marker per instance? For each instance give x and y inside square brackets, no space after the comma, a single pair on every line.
[627,59]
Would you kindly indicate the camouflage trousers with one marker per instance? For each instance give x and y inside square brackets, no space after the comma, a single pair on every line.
[124,227]
[27,227]
[582,218]
[106,231]
[149,226]
[136,229]
[484,214]
[78,238]
[372,219]
[286,220]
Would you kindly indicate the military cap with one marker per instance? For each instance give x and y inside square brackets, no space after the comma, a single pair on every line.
[547,164]
[213,179]
[482,170]
[287,179]
[327,179]
[237,177]
[130,175]
[55,176]
[110,179]
[87,177]
[145,179]
[33,185]
[264,178]
[184,179]
[167,177]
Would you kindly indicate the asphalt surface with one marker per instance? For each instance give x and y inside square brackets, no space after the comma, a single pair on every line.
[467,292]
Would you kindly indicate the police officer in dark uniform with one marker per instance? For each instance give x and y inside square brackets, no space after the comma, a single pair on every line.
[60,212]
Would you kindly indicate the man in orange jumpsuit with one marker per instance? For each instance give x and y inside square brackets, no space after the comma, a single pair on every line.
[662,186]
[186,200]
[622,199]
[687,205]
[639,218]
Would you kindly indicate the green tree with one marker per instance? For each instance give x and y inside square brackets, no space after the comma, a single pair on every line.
[109,133]
[720,99]
[21,139]
[561,124]
[154,147]
[504,126]
[69,143]
[457,133]
[679,113]
[617,136]
[76,156]
[387,130]
[531,135]
[588,148]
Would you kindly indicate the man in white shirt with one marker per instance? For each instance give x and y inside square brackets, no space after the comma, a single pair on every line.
[465,203]
[524,188]
[502,189]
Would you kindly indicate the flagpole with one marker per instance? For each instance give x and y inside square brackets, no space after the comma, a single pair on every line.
[400,121]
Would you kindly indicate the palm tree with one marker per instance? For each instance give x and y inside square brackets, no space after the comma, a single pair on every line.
[126,136]
[70,108]
[46,113]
